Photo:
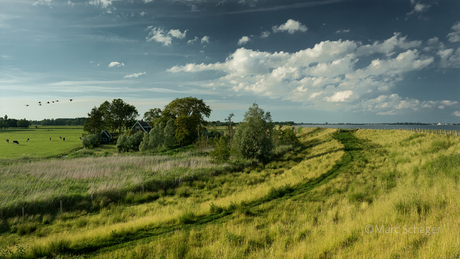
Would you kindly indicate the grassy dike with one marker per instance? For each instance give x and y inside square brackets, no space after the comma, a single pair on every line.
[314,202]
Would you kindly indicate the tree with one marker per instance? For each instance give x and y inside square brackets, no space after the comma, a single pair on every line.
[157,135]
[169,134]
[107,117]
[152,115]
[221,152]
[230,125]
[123,143]
[188,114]
[23,123]
[94,122]
[253,137]
[124,114]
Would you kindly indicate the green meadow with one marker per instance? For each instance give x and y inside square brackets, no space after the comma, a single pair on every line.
[339,194]
[39,145]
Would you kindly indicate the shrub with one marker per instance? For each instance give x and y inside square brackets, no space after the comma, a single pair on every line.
[90,141]
[214,209]
[253,137]
[221,152]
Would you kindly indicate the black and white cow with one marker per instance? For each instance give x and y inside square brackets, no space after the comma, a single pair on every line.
[15,142]
[7,141]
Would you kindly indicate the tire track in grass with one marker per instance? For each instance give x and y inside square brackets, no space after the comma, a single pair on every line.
[353,148]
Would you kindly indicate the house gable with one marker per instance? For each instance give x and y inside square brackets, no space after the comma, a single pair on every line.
[141,125]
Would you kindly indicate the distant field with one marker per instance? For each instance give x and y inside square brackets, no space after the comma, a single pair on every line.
[39,144]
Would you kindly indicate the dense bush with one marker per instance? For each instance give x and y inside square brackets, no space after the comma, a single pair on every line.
[126,143]
[221,152]
[160,136]
[253,137]
[90,141]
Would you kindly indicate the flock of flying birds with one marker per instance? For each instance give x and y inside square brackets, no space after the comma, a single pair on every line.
[40,103]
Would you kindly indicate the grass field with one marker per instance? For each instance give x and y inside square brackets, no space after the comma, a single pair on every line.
[313,201]
[39,144]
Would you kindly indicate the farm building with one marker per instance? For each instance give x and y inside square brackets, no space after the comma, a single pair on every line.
[141,125]
[105,137]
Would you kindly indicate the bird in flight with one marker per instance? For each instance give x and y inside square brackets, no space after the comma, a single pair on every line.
[70,99]
[27,105]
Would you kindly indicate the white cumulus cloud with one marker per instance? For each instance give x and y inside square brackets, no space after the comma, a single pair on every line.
[158,34]
[102,3]
[326,73]
[455,35]
[116,64]
[205,39]
[339,96]
[177,34]
[418,7]
[265,34]
[243,40]
[135,75]
[290,26]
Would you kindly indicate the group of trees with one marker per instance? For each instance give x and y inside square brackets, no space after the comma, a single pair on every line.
[117,115]
[6,122]
[182,122]
[254,138]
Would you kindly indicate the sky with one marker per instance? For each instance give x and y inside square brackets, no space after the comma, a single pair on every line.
[315,61]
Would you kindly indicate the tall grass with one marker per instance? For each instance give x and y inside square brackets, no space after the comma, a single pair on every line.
[313,202]
[49,180]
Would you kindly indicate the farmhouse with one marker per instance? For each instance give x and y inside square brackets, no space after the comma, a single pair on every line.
[141,125]
[105,137]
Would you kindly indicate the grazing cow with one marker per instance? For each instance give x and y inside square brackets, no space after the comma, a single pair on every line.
[7,141]
[50,139]
[79,138]
[27,139]
[15,142]
[60,137]
[63,139]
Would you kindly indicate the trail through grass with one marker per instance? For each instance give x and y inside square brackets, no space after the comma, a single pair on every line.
[313,202]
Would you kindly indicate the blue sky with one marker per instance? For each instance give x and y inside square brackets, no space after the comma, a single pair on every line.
[306,61]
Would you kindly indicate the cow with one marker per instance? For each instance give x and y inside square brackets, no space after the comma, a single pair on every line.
[50,139]
[15,142]
[79,138]
[27,139]
[60,137]
[7,141]
[63,139]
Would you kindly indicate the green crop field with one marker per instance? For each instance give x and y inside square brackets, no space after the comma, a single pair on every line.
[347,194]
[39,144]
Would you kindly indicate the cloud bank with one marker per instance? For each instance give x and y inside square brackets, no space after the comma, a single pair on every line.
[326,76]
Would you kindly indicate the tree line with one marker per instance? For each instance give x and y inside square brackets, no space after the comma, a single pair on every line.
[6,122]
[182,122]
